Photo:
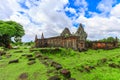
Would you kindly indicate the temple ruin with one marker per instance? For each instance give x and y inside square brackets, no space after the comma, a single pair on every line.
[75,41]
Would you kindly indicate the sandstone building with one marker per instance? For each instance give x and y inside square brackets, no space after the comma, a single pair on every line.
[75,41]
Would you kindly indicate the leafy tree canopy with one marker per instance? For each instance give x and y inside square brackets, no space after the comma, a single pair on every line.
[6,29]
[109,39]
[10,29]
[19,31]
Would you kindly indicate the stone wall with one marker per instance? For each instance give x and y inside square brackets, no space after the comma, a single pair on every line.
[66,42]
[66,39]
[102,45]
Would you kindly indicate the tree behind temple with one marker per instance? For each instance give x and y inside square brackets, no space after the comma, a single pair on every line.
[109,39]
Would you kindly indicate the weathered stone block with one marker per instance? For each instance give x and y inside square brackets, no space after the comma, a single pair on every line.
[38,55]
[113,65]
[29,55]
[8,55]
[19,51]
[13,61]
[23,76]
[31,58]
[31,62]
[54,78]
[2,53]
[66,73]
[56,65]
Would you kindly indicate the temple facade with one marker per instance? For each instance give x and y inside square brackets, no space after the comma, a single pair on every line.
[75,41]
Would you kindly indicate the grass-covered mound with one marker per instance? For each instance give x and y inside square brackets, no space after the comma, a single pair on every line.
[40,64]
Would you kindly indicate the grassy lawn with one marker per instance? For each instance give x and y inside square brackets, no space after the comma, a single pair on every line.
[12,71]
[78,63]
[94,58]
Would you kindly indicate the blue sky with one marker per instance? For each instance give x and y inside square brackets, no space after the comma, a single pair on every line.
[101,18]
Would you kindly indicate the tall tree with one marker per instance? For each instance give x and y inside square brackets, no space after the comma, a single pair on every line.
[9,29]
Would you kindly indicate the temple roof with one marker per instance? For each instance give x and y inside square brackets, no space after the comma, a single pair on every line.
[80,29]
[66,32]
[42,36]
[81,33]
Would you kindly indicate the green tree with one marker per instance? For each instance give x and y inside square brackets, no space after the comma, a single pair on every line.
[9,29]
[110,39]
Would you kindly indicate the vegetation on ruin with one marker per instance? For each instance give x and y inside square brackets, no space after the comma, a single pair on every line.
[109,39]
[89,65]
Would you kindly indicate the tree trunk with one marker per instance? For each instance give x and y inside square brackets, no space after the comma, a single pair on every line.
[5,41]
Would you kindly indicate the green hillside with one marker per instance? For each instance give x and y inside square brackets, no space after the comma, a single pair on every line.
[35,64]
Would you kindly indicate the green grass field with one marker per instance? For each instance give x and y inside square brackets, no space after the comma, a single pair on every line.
[78,63]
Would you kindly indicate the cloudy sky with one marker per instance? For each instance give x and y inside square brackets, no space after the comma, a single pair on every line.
[101,18]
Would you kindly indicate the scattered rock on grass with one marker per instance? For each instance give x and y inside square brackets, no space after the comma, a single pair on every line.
[31,58]
[113,65]
[13,61]
[50,61]
[50,71]
[32,50]
[87,68]
[81,70]
[45,58]
[56,77]
[2,53]
[8,55]
[23,76]
[19,51]
[29,55]
[103,60]
[23,54]
[44,62]
[56,65]
[66,73]
[31,62]
[38,55]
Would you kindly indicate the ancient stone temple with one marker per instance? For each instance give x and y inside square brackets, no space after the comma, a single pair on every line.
[75,41]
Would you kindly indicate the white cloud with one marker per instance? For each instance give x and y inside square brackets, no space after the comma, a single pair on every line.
[83,6]
[44,13]
[100,27]
[72,10]
[81,3]
[115,11]
[105,6]
[48,17]
[5,10]
[23,19]
[53,22]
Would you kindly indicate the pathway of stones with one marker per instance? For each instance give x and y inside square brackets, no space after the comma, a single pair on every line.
[58,69]
[58,72]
